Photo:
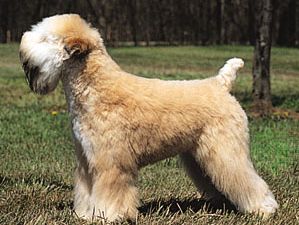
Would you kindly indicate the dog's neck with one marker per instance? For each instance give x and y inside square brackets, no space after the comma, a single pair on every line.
[85,75]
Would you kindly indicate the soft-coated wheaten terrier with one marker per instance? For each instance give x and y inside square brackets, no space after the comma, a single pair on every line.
[122,122]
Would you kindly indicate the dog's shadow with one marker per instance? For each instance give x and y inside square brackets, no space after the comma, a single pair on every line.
[157,206]
[178,206]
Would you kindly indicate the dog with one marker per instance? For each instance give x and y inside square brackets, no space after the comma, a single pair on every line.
[122,122]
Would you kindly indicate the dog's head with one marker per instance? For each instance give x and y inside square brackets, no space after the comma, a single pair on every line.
[45,49]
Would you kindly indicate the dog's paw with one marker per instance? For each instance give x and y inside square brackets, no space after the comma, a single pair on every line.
[268,206]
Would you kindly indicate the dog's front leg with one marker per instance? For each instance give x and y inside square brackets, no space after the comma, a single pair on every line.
[105,191]
[83,184]
[114,195]
[105,186]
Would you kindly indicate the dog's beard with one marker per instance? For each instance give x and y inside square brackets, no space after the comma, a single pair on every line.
[42,58]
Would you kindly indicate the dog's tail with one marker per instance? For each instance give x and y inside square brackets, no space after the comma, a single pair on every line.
[228,73]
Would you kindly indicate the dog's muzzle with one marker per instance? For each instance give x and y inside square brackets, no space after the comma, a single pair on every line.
[32,73]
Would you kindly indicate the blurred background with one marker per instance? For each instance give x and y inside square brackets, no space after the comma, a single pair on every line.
[192,39]
[155,22]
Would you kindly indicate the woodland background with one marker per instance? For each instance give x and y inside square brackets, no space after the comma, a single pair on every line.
[156,22]
[36,148]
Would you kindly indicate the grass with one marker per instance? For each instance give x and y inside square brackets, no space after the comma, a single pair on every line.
[37,156]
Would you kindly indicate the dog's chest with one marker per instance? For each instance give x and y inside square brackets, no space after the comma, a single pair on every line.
[82,137]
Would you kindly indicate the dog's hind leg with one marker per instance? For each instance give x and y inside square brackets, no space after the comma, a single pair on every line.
[202,182]
[223,153]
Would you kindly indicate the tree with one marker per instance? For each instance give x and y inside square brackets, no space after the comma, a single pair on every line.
[297,23]
[262,51]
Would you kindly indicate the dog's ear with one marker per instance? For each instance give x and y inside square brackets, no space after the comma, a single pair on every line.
[76,46]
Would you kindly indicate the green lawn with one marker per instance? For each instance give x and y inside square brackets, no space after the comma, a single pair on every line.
[37,157]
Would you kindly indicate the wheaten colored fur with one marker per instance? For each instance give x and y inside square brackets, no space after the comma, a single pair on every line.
[122,122]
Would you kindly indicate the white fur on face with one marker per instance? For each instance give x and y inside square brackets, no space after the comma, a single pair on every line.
[46,52]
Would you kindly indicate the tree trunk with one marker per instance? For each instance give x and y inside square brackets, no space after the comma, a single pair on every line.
[147,23]
[251,27]
[4,21]
[297,24]
[261,63]
[223,23]
[218,20]
[132,4]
